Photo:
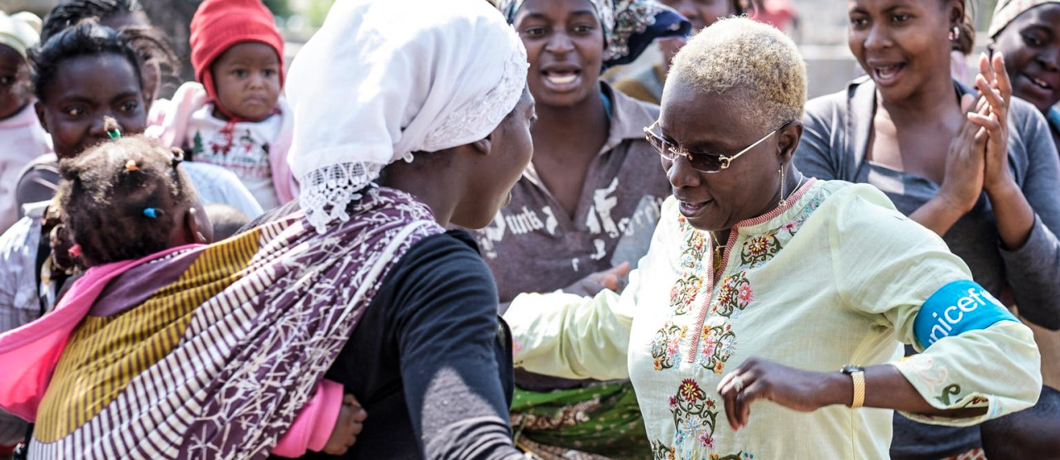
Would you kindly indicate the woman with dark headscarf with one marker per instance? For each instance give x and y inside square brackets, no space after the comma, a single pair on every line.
[586,206]
[647,85]
[1027,33]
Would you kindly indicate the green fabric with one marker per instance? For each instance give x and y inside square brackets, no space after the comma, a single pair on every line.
[614,427]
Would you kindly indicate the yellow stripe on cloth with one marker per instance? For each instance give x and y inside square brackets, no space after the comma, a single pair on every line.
[105,353]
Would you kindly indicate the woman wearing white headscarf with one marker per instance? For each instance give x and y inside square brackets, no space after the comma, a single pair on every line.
[363,285]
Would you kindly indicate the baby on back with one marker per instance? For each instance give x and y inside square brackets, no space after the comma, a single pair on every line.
[128,199]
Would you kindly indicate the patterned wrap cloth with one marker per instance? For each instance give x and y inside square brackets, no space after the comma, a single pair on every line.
[204,351]
[1008,10]
[629,25]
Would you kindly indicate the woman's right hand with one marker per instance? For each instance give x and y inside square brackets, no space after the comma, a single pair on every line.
[612,278]
[966,161]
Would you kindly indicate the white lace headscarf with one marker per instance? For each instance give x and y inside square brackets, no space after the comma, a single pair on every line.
[385,78]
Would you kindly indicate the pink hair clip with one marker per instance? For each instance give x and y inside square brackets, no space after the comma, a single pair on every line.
[75,250]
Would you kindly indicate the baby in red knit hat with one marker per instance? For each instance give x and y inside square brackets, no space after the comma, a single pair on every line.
[234,115]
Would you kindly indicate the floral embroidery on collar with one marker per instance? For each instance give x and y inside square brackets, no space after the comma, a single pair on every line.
[759,250]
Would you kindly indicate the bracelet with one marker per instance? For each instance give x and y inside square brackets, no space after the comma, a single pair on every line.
[859,389]
[857,374]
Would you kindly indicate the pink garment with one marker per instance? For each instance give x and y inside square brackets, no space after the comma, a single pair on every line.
[169,124]
[31,352]
[313,426]
[21,140]
[777,13]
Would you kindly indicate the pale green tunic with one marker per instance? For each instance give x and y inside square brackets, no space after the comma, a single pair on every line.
[835,278]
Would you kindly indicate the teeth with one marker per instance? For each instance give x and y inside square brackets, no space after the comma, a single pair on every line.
[562,80]
[1041,83]
[887,72]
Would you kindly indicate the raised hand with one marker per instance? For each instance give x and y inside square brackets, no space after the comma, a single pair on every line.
[965,161]
[996,89]
[612,278]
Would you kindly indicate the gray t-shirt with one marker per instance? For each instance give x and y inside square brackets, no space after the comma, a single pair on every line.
[834,144]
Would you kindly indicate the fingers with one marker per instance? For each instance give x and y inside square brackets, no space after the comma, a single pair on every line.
[357,414]
[728,396]
[753,392]
[984,67]
[992,95]
[968,103]
[1004,85]
[622,270]
[738,390]
[988,122]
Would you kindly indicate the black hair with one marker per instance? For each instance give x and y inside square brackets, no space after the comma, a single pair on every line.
[90,39]
[1025,434]
[226,220]
[965,43]
[742,7]
[118,198]
[70,12]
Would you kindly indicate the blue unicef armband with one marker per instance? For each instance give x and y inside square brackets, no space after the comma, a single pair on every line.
[956,308]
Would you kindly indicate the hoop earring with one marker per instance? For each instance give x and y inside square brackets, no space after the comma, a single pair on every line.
[955,34]
[783,199]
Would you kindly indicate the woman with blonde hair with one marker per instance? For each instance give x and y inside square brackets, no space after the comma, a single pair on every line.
[767,319]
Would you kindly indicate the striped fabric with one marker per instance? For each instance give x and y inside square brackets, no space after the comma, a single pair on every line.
[259,317]
[105,353]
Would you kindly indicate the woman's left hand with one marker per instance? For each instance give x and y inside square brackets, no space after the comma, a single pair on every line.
[756,379]
[993,83]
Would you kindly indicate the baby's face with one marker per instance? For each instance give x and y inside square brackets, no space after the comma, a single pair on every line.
[14,82]
[247,78]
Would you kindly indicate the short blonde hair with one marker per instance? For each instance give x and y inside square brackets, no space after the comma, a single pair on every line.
[750,61]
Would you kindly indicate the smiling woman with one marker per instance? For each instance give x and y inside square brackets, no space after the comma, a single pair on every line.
[989,193]
[1028,34]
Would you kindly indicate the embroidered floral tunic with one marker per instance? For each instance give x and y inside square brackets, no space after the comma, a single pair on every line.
[836,277]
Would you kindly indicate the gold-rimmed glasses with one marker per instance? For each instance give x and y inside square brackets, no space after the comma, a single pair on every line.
[701,161]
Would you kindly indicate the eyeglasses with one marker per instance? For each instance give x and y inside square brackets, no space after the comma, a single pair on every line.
[701,161]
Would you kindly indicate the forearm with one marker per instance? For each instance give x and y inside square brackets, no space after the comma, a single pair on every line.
[886,388]
[564,335]
[938,215]
[1014,215]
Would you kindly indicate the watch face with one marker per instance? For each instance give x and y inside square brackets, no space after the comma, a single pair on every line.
[850,368]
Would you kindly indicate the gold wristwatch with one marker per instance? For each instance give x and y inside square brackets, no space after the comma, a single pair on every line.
[856,373]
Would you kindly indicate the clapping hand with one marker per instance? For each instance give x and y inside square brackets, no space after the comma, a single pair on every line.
[996,89]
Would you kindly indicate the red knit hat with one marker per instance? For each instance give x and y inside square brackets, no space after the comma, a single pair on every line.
[221,24]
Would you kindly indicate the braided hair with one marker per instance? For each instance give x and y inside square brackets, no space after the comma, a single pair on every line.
[90,39]
[121,199]
[70,12]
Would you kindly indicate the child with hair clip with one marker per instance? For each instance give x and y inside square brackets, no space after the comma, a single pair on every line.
[21,135]
[83,76]
[129,200]
[235,116]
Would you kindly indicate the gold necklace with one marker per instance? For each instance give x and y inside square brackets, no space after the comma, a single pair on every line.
[718,248]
